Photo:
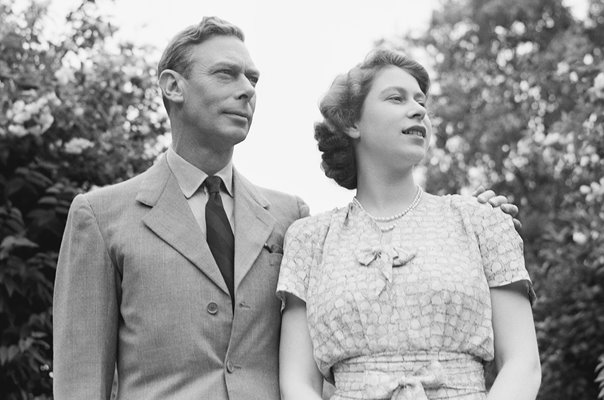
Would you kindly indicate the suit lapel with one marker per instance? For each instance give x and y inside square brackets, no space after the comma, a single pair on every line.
[253,225]
[171,219]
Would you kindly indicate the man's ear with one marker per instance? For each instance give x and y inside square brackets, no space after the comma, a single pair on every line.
[353,131]
[172,85]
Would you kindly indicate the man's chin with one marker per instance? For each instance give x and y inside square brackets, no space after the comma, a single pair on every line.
[236,136]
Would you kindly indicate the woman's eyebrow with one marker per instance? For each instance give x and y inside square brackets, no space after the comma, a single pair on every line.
[404,92]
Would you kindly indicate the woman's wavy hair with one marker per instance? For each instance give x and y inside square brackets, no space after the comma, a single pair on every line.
[341,108]
[177,55]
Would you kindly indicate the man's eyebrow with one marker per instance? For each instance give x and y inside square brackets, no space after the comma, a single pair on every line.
[225,64]
[251,72]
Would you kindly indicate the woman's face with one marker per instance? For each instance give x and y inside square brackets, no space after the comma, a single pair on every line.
[393,126]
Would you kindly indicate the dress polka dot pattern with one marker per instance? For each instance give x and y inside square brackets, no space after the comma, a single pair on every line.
[424,296]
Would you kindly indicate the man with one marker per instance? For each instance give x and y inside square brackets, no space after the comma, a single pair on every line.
[167,276]
[137,284]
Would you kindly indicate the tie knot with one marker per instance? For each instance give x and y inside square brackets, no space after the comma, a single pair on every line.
[213,184]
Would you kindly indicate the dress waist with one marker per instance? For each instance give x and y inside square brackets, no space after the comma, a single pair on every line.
[417,375]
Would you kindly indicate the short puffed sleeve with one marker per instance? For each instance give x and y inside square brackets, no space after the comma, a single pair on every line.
[301,250]
[501,248]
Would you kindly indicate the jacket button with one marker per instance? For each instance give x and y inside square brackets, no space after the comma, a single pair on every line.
[212,308]
[230,367]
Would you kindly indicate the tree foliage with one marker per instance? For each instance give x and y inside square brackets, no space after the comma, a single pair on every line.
[78,110]
[518,105]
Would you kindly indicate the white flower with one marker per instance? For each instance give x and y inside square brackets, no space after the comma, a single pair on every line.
[599,85]
[132,113]
[144,129]
[35,130]
[509,176]
[524,48]
[52,99]
[161,144]
[128,87]
[574,77]
[562,68]
[77,145]
[34,108]
[164,140]
[518,28]
[46,121]
[579,238]
[64,75]
[552,138]
[17,130]
[476,173]
[21,117]
[455,144]
[18,106]
[78,111]
[459,30]
[130,70]
[504,56]
[588,59]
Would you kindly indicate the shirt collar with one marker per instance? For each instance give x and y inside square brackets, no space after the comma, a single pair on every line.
[190,178]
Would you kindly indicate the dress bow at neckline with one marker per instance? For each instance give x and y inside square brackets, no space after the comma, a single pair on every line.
[385,258]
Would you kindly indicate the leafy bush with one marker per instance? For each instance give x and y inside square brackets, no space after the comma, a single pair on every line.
[76,112]
[519,106]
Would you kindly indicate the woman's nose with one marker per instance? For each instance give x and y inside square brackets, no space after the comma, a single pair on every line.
[417,112]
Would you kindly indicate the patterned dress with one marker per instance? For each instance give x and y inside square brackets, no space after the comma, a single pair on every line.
[411,317]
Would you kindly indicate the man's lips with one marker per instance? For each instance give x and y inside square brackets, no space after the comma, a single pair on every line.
[241,114]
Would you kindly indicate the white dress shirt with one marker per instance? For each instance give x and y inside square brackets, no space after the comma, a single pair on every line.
[190,179]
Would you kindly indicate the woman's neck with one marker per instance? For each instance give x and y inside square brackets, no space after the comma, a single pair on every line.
[383,194]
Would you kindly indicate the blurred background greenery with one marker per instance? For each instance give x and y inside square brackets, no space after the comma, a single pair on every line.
[517,102]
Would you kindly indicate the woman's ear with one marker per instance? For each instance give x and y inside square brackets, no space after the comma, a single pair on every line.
[353,131]
[172,85]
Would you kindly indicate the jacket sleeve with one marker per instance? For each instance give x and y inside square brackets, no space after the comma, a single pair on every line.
[303,208]
[85,310]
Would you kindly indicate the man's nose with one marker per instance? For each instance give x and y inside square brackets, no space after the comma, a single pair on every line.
[247,90]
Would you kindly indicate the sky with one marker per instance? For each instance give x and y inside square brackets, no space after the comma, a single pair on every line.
[299,47]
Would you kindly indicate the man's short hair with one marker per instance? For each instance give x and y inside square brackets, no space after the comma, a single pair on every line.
[177,55]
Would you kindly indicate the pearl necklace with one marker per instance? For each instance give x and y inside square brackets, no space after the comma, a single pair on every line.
[395,217]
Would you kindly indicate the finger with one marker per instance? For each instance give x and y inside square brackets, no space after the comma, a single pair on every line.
[478,190]
[510,209]
[498,201]
[517,225]
[485,196]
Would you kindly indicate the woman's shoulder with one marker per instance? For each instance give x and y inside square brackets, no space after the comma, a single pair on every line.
[482,216]
[314,225]
[459,203]
[467,209]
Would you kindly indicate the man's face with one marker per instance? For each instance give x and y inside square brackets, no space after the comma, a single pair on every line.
[219,93]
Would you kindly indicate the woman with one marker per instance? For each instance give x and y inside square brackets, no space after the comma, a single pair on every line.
[402,294]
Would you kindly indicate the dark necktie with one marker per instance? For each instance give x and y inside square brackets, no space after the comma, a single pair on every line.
[219,234]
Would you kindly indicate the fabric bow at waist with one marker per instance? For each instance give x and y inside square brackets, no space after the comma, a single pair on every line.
[405,387]
[408,377]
